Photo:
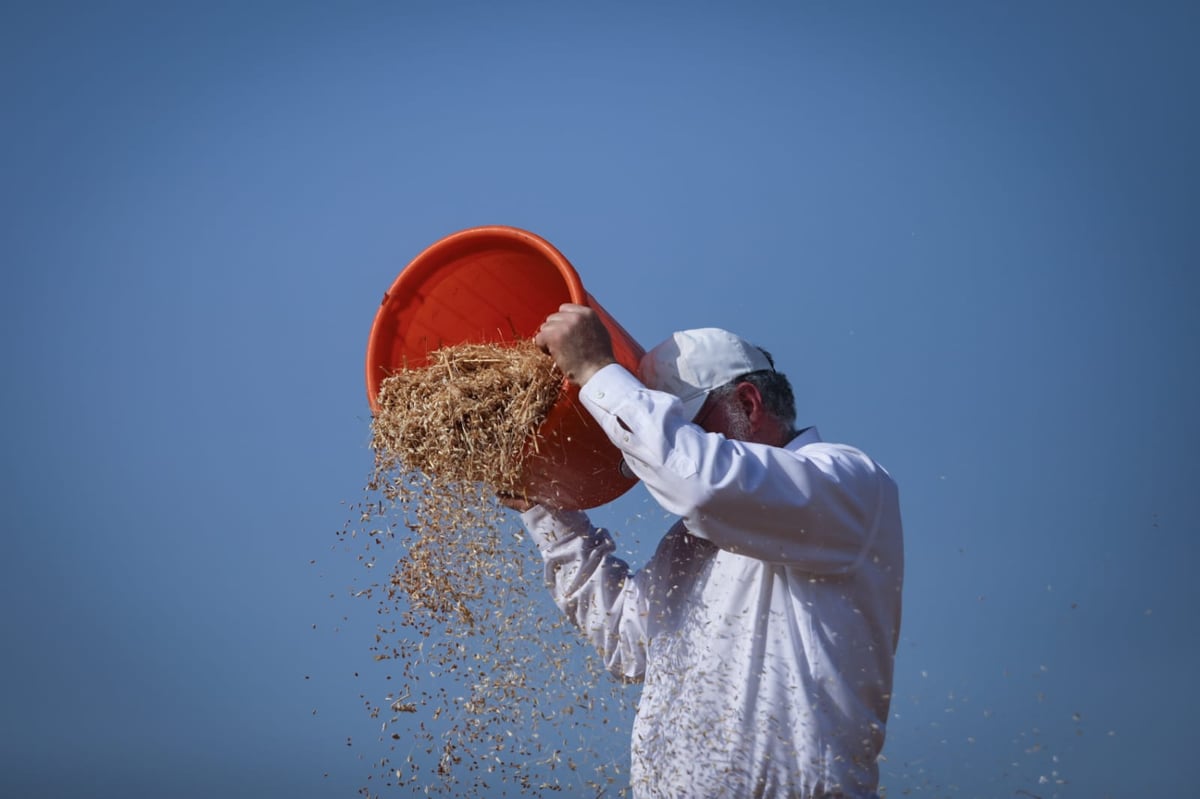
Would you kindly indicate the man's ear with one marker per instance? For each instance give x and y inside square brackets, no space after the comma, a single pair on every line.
[751,400]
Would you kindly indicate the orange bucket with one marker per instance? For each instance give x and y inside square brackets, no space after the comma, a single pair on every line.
[497,284]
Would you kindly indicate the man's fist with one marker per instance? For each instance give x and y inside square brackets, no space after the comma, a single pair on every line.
[577,340]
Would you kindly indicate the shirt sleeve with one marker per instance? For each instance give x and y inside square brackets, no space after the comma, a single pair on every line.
[815,507]
[593,587]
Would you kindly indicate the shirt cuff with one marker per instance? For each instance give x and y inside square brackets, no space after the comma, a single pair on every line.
[549,527]
[607,388]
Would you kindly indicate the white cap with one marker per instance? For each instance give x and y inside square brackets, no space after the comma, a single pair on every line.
[691,363]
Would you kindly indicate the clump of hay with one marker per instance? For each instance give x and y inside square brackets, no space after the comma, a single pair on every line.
[470,415]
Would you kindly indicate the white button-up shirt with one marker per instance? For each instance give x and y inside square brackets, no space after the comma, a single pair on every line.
[766,623]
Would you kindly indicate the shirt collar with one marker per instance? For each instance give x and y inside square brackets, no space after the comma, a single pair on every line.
[808,435]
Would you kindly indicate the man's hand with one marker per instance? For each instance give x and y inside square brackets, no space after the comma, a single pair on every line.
[513,502]
[577,340]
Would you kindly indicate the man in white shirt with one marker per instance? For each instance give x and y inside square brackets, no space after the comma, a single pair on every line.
[766,623]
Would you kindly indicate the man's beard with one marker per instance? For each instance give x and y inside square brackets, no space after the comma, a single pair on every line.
[738,422]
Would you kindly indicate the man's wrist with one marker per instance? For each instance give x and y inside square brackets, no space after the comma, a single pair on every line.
[586,374]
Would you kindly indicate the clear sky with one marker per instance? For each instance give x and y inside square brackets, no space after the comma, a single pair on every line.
[966,230]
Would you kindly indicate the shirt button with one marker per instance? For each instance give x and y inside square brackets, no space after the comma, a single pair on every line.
[599,395]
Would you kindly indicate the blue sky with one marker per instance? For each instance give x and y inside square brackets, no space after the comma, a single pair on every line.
[966,230]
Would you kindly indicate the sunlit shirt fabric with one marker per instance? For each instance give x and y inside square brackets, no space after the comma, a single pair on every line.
[764,626]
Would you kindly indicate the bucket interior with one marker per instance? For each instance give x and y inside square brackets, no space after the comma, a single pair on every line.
[480,286]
